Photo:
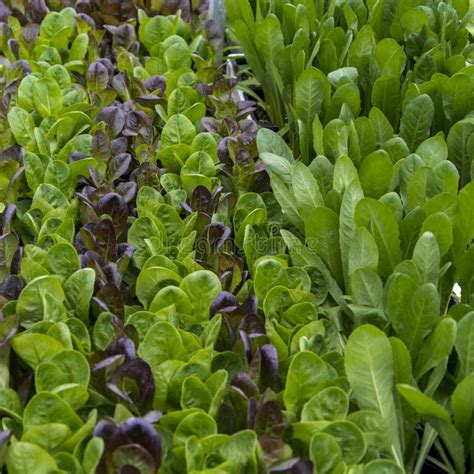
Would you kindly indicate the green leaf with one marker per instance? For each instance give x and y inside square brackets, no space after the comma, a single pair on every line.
[153,279]
[382,465]
[202,287]
[22,125]
[307,375]
[72,365]
[460,152]
[433,150]
[62,260]
[268,274]
[144,228]
[78,290]
[279,166]
[347,226]
[363,251]
[177,130]
[369,368]
[286,201]
[311,89]
[386,96]
[375,174]
[59,175]
[35,348]
[270,142]
[350,438]
[439,418]
[390,57]
[427,257]
[162,343]
[197,424]
[344,173]
[47,97]
[382,127]
[465,343]
[416,121]
[92,454]
[458,92]
[269,40]
[383,226]
[464,223]
[47,407]
[401,361]
[48,436]
[420,315]
[301,255]
[325,452]
[463,408]
[322,235]
[329,404]
[155,30]
[367,288]
[306,190]
[441,227]
[25,458]
[41,299]
[436,346]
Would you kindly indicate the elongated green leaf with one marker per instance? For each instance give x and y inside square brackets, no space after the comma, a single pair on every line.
[427,257]
[464,224]
[310,93]
[306,190]
[369,367]
[322,235]
[465,343]
[269,40]
[460,153]
[436,347]
[383,226]
[286,201]
[416,121]
[439,418]
[386,96]
[347,226]
[462,402]
[363,251]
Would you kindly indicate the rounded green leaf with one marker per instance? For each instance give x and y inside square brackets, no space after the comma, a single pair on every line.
[325,452]
[41,299]
[21,124]
[47,407]
[25,458]
[35,348]
[162,343]
[350,438]
[330,404]
[202,287]
[152,280]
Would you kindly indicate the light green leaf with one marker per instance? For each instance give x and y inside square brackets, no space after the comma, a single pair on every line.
[370,371]
[22,125]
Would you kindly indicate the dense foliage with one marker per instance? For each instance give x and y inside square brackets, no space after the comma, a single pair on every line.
[193,280]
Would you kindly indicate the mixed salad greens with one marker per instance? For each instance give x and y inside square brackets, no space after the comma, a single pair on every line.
[196,280]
